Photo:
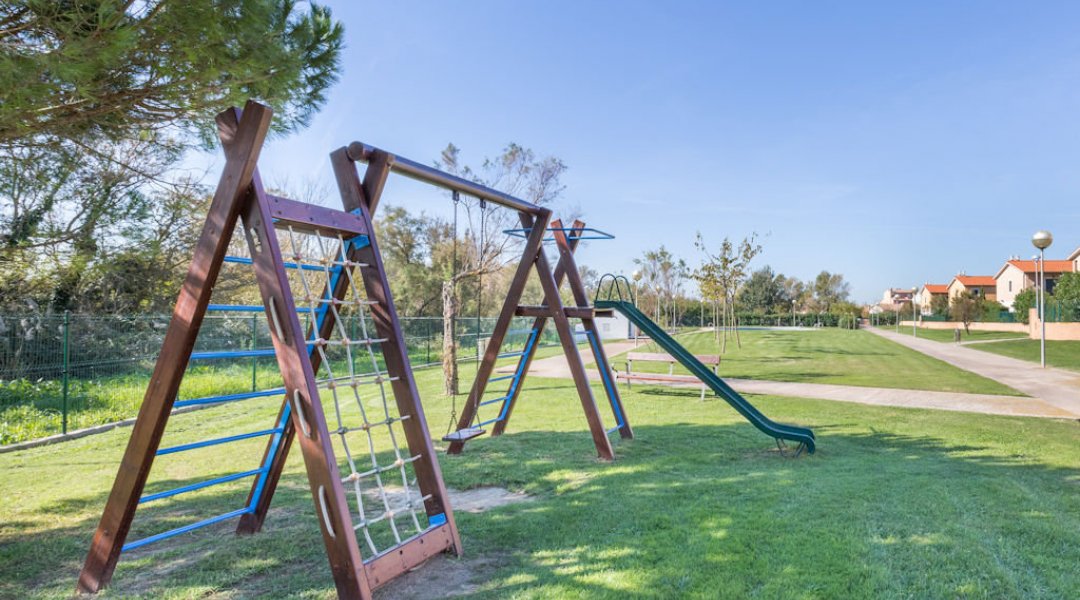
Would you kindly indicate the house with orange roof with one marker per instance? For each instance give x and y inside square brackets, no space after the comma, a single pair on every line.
[979,285]
[928,292]
[1075,258]
[1017,275]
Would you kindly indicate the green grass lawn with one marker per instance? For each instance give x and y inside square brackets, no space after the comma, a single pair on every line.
[829,356]
[946,335]
[896,503]
[1062,354]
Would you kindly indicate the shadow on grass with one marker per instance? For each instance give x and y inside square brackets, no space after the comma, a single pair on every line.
[687,509]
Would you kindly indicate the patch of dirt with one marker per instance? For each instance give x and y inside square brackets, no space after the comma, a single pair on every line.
[476,500]
[441,577]
[446,576]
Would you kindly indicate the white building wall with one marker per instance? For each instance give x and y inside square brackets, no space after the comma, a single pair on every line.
[1011,282]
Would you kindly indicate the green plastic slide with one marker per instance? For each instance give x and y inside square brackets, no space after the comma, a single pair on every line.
[779,431]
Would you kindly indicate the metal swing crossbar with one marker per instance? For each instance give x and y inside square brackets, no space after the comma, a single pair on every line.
[575,234]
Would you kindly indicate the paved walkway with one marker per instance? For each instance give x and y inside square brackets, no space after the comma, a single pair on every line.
[1056,387]
[556,366]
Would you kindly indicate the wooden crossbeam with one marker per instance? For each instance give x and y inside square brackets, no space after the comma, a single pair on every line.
[572,312]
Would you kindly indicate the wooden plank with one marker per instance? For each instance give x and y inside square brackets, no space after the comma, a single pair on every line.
[709,359]
[361,198]
[312,218]
[409,555]
[324,478]
[572,312]
[246,141]
[529,254]
[657,377]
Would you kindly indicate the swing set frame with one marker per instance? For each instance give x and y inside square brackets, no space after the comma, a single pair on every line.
[536,225]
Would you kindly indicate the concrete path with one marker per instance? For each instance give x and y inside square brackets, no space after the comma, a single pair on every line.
[1056,387]
[556,366]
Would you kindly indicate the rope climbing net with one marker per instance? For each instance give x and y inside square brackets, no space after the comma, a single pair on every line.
[389,508]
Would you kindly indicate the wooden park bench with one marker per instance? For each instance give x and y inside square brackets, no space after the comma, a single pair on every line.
[630,376]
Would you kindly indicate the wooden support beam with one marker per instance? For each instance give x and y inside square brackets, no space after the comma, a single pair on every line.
[307,415]
[573,357]
[362,197]
[572,312]
[245,140]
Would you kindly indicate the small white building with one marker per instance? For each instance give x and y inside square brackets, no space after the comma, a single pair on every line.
[613,328]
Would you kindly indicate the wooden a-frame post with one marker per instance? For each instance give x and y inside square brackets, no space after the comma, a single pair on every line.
[533,257]
[243,143]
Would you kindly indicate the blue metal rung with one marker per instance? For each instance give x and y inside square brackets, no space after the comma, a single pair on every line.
[255,308]
[200,485]
[490,421]
[216,441]
[228,398]
[587,233]
[493,400]
[502,378]
[614,429]
[240,260]
[235,308]
[186,528]
[510,354]
[230,354]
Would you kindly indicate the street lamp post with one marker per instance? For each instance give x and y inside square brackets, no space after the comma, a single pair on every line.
[1042,240]
[914,316]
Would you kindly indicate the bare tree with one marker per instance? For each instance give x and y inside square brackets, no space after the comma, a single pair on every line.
[724,272]
[484,249]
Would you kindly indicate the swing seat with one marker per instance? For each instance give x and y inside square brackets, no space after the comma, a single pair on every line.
[463,435]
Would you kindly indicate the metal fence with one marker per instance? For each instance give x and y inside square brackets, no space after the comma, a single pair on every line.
[67,371]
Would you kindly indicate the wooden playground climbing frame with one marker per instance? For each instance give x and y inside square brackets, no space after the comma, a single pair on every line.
[240,196]
[301,356]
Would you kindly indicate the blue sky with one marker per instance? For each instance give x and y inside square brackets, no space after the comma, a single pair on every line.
[895,143]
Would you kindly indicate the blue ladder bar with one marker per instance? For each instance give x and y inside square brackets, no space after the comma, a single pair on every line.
[228,397]
[200,485]
[518,373]
[607,384]
[216,441]
[186,528]
[236,307]
[230,354]
[247,261]
[510,355]
[493,401]
[490,421]
[502,378]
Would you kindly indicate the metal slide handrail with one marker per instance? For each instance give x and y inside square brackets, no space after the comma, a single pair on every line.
[616,286]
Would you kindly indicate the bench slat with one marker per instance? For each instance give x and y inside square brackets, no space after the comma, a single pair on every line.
[708,359]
